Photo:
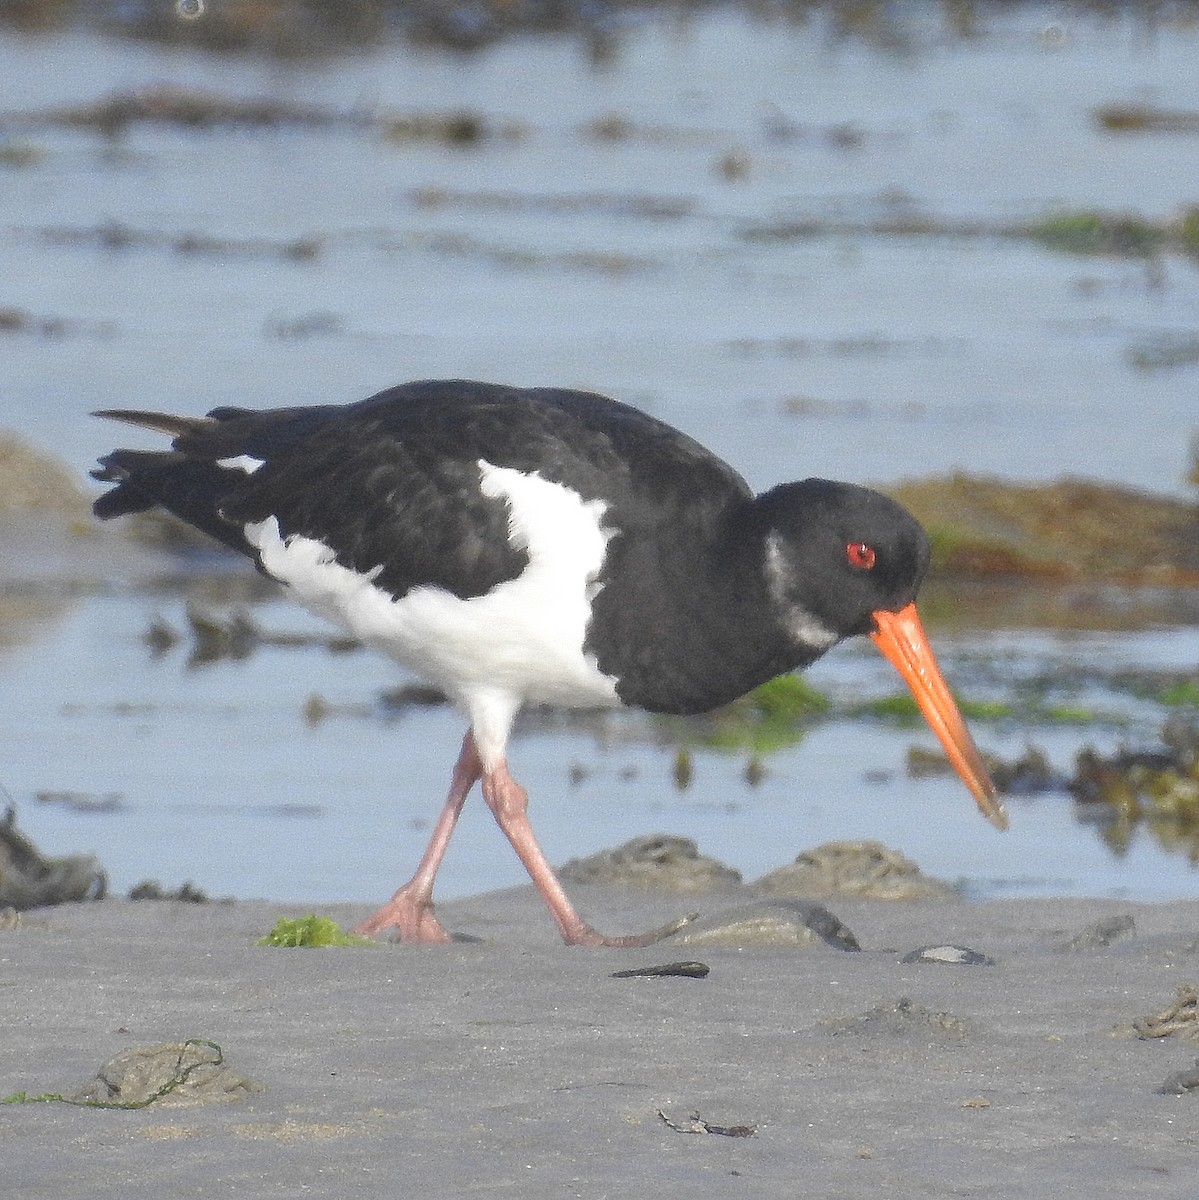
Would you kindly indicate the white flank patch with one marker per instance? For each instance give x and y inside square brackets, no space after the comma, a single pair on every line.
[521,641]
[242,462]
[804,626]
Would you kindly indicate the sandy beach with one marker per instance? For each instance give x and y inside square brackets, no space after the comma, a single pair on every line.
[513,1065]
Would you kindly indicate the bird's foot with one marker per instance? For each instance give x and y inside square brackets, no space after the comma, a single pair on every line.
[584,935]
[410,920]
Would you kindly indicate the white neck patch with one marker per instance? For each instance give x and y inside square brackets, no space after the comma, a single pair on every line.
[803,625]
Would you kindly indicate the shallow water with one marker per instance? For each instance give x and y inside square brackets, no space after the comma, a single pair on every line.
[214,775]
[630,264]
[842,354]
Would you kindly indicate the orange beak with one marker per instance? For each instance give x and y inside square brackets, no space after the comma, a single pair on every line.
[901,637]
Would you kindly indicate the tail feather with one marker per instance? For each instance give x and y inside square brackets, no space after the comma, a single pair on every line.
[160,422]
[119,467]
[192,489]
[189,479]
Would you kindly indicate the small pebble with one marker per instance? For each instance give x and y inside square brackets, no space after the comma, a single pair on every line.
[961,956]
[688,970]
[1178,1083]
[1100,934]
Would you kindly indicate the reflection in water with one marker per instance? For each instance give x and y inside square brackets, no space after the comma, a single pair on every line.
[1156,790]
[235,778]
[1116,794]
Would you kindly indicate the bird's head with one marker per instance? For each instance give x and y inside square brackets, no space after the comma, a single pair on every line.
[841,561]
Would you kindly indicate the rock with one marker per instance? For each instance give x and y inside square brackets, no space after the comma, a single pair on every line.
[1100,934]
[1031,774]
[177,1074]
[866,869]
[958,956]
[657,862]
[781,922]
[33,482]
[688,1120]
[1066,529]
[1178,1083]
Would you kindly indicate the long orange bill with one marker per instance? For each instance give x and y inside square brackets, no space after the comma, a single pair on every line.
[901,637]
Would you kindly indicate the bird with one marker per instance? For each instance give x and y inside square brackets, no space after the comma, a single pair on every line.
[537,545]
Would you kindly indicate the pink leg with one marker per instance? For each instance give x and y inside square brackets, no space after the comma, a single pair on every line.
[410,910]
[509,804]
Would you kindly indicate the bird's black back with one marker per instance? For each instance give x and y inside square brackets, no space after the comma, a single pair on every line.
[394,481]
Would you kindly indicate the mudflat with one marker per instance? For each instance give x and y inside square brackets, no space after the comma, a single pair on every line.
[511,1064]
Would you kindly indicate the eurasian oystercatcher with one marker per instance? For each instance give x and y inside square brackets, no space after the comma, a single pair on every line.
[538,545]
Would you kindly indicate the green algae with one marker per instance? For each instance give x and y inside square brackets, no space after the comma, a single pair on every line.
[311,931]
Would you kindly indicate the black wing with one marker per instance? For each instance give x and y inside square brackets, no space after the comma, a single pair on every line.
[394,481]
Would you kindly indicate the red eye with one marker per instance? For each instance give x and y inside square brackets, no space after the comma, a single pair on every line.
[860,555]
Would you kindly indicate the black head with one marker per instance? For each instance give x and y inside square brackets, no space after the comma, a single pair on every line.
[841,560]
[837,553]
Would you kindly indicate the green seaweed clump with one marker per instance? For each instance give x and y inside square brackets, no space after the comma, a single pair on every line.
[311,931]
[1089,232]
[773,717]
[770,718]
[786,698]
[901,707]
[1188,230]
[1182,694]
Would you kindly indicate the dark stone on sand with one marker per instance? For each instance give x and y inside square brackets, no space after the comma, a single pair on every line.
[656,862]
[866,869]
[413,695]
[781,922]
[1178,1083]
[957,956]
[1101,934]
[28,879]
[178,1074]
[687,970]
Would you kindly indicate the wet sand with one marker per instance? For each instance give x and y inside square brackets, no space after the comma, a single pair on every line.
[513,1065]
